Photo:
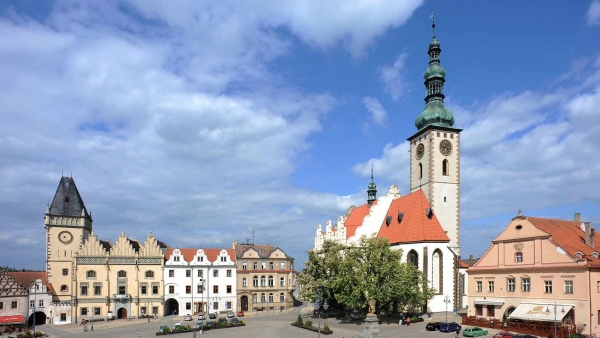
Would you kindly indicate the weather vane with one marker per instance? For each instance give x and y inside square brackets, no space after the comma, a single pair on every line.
[432,17]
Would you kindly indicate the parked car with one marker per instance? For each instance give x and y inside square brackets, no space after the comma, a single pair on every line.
[234,321]
[433,326]
[187,317]
[201,316]
[222,320]
[210,324]
[212,315]
[450,327]
[240,314]
[176,326]
[161,328]
[474,332]
[504,334]
[230,314]
[524,336]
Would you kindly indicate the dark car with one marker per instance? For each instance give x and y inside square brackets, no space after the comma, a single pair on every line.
[234,321]
[504,334]
[450,327]
[222,320]
[433,326]
[210,324]
[212,316]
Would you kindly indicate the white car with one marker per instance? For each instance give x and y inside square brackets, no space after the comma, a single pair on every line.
[187,318]
[201,316]
[176,326]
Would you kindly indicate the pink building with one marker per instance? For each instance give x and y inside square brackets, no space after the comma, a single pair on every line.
[539,270]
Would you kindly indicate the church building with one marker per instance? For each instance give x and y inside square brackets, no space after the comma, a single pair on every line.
[425,223]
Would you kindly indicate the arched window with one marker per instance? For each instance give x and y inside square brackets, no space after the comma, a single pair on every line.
[436,271]
[254,298]
[263,281]
[91,274]
[271,281]
[420,173]
[270,298]
[413,258]
[281,297]
[255,281]
[445,168]
[263,298]
[149,274]
[122,273]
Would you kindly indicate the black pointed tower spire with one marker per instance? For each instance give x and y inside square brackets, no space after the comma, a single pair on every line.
[435,113]
[371,190]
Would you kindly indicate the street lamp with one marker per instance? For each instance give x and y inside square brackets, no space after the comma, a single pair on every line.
[201,283]
[34,302]
[318,298]
[446,300]
[548,311]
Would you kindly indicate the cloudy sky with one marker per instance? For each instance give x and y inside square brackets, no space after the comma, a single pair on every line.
[203,120]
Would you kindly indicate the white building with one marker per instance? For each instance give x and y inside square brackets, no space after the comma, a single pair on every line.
[425,224]
[200,280]
[39,300]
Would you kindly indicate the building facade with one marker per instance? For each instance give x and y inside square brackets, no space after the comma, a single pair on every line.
[540,270]
[200,281]
[39,309]
[265,276]
[425,223]
[13,300]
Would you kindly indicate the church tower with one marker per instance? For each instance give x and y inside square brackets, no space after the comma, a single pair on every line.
[435,151]
[68,224]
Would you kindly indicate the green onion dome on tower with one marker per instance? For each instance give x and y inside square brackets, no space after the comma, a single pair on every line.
[435,112]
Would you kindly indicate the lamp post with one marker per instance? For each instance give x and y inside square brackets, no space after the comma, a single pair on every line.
[318,302]
[446,300]
[201,283]
[147,311]
[548,311]
[34,302]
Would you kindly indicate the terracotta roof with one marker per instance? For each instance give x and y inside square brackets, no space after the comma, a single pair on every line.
[26,278]
[415,225]
[469,262]
[211,254]
[567,235]
[355,219]
[462,264]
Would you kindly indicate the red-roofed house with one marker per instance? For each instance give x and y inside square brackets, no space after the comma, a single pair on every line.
[200,281]
[40,295]
[534,264]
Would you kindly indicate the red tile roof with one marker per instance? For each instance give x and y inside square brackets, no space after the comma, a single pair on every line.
[415,225]
[568,235]
[211,254]
[355,219]
[26,278]
[462,264]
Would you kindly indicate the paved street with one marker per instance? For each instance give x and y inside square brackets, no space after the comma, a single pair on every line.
[262,325]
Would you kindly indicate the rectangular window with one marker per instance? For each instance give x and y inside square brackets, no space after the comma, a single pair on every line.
[188,306]
[271,266]
[262,265]
[510,287]
[228,288]
[171,288]
[491,286]
[254,298]
[201,259]
[32,303]
[144,290]
[569,286]
[96,311]
[244,266]
[84,311]
[244,282]
[1,305]
[215,289]
[188,289]
[255,281]
[84,290]
[228,305]
[525,284]
[188,273]
[200,290]
[271,281]
[155,289]
[121,290]
[143,310]
[97,290]
[63,317]
[282,266]
[200,273]
[256,266]
[597,286]
[65,272]
[171,273]
[215,305]
[519,257]
[281,281]
[479,286]
[491,310]
[223,259]
[548,286]
[228,273]
[155,310]
[215,273]
[478,310]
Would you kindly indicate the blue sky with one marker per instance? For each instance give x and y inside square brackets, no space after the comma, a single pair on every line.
[199,121]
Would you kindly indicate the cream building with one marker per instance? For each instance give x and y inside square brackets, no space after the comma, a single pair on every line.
[424,224]
[199,280]
[539,270]
[266,278]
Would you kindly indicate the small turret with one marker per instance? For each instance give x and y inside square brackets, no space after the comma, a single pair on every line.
[371,190]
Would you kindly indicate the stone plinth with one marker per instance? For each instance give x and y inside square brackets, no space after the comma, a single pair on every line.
[371,327]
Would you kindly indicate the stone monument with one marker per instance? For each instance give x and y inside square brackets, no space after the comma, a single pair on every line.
[372,323]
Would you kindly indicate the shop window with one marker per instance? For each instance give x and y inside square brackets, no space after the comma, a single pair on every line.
[478,310]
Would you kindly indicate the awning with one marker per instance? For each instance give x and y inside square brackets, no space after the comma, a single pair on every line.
[14,319]
[488,302]
[541,311]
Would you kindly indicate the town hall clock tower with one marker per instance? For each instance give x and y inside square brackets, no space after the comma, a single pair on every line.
[435,151]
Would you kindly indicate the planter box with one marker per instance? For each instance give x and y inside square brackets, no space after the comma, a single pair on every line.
[213,328]
[312,328]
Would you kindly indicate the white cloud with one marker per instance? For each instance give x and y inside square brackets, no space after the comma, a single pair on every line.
[378,114]
[392,78]
[593,14]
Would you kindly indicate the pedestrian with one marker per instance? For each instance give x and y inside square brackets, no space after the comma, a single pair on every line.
[401,321]
[408,321]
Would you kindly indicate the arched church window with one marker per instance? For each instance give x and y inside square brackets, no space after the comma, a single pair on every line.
[122,273]
[420,169]
[445,168]
[436,271]
[91,274]
[413,258]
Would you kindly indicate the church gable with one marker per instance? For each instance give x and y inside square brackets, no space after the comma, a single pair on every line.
[377,212]
[123,247]
[93,247]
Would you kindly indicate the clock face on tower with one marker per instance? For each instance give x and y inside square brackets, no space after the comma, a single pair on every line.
[420,151]
[446,147]
[65,237]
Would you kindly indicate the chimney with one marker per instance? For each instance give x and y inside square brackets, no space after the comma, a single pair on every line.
[592,237]
[470,256]
[233,244]
[577,217]
[588,233]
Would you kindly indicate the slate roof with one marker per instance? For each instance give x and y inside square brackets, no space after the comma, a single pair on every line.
[263,250]
[67,201]
[211,254]
[26,278]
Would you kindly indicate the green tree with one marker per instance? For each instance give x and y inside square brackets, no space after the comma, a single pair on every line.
[371,269]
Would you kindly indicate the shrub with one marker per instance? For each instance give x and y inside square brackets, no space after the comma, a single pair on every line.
[242,322]
[308,323]
[166,330]
[326,327]
[299,320]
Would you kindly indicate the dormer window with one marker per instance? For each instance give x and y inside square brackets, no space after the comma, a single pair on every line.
[518,257]
[176,258]
[579,255]
[595,254]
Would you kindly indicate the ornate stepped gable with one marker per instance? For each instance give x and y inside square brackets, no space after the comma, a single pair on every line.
[94,247]
[124,247]
[151,247]
[9,286]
